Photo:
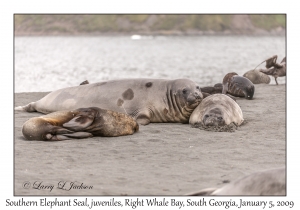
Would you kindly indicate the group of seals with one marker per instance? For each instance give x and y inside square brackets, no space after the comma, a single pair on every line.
[79,123]
[268,182]
[217,110]
[146,100]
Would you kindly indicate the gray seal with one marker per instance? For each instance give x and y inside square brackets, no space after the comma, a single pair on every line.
[217,110]
[238,86]
[146,100]
[79,123]
[268,182]
[275,69]
[257,77]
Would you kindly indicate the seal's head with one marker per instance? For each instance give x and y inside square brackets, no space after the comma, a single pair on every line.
[249,91]
[213,117]
[188,94]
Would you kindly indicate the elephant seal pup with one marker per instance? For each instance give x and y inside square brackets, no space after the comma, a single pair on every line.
[274,69]
[268,182]
[216,110]
[79,123]
[146,100]
[257,77]
[238,86]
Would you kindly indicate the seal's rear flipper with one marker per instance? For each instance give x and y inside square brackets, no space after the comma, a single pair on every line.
[79,123]
[207,191]
[28,108]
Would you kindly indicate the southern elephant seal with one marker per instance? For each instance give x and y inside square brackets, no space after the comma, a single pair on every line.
[217,88]
[257,77]
[217,110]
[275,69]
[268,182]
[238,86]
[79,123]
[146,100]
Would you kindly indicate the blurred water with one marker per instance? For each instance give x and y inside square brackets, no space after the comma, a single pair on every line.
[50,63]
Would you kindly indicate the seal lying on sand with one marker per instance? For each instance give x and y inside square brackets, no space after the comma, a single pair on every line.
[217,110]
[146,100]
[274,69]
[238,86]
[257,77]
[217,88]
[268,182]
[79,123]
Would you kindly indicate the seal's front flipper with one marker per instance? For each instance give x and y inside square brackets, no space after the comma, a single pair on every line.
[59,137]
[79,123]
[76,135]
[143,120]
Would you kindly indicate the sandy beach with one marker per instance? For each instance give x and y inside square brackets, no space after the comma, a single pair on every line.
[161,159]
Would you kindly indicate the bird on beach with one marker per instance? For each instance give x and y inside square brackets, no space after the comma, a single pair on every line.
[274,69]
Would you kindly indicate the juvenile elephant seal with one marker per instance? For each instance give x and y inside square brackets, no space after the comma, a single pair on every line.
[268,182]
[217,88]
[257,77]
[79,123]
[217,110]
[146,100]
[274,69]
[238,86]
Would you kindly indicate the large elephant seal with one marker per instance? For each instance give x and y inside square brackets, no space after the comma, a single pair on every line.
[146,100]
[238,86]
[79,123]
[268,182]
[217,110]
[257,77]
[275,69]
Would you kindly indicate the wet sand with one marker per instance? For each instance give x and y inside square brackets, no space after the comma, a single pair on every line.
[161,159]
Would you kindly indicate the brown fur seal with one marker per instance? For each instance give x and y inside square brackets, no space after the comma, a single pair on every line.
[146,100]
[268,182]
[238,86]
[274,69]
[217,110]
[257,77]
[79,123]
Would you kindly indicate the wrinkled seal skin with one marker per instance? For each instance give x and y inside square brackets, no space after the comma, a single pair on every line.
[238,86]
[146,100]
[274,69]
[79,123]
[217,110]
[268,182]
[257,77]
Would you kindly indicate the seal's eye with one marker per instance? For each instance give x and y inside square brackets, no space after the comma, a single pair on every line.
[198,87]
[184,91]
[220,118]
[206,116]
